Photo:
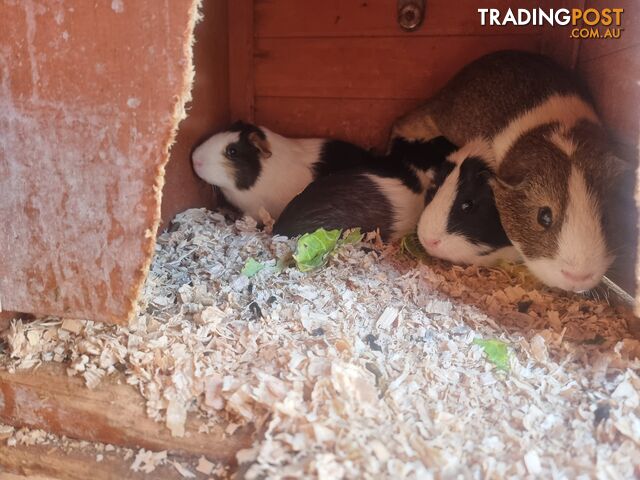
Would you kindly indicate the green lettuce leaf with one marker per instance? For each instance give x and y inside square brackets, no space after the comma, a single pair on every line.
[496,351]
[251,267]
[314,248]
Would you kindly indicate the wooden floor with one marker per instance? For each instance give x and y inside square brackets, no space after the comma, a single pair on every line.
[114,413]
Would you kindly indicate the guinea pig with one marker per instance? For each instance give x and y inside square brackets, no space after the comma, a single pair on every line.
[387,193]
[554,161]
[461,222]
[256,168]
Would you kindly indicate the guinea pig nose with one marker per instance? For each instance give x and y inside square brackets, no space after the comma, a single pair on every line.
[576,277]
[432,243]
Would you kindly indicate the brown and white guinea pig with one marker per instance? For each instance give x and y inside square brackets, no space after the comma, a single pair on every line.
[387,193]
[461,222]
[554,163]
[256,168]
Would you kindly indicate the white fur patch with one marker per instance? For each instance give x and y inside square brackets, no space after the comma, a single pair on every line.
[564,109]
[563,141]
[433,221]
[284,174]
[582,250]
[407,205]
[209,160]
[477,147]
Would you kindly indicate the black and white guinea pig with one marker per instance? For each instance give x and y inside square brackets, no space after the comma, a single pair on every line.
[461,222]
[388,193]
[256,168]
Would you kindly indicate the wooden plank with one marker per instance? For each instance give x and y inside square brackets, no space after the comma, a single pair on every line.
[90,98]
[363,121]
[613,80]
[374,18]
[241,63]
[630,36]
[114,413]
[557,41]
[41,462]
[389,67]
[207,112]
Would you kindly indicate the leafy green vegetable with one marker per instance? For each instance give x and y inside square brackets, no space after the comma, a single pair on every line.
[352,236]
[496,352]
[314,248]
[251,267]
[411,245]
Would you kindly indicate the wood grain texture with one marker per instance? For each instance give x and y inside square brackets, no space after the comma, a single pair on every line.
[389,67]
[89,100]
[556,40]
[46,462]
[208,112]
[630,37]
[241,51]
[373,18]
[114,413]
[365,122]
[613,80]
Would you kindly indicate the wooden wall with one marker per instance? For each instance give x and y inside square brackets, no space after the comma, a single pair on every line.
[344,68]
[208,112]
[611,68]
[90,97]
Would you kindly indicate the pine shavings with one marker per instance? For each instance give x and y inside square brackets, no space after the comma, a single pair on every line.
[365,369]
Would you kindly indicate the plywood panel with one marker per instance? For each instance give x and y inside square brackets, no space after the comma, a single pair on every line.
[630,36]
[49,462]
[90,93]
[387,67]
[363,121]
[557,42]
[207,112]
[241,50]
[113,413]
[614,81]
[373,18]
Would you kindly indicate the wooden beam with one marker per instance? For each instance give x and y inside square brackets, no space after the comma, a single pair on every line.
[50,462]
[113,413]
[241,49]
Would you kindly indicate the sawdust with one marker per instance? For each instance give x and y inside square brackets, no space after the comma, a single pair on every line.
[366,368]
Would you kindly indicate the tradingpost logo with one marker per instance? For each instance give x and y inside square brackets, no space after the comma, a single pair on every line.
[603,23]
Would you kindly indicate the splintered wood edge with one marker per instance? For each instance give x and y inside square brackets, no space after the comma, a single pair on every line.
[179,114]
[40,462]
[113,413]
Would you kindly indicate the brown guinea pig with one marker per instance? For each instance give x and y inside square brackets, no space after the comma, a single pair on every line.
[553,161]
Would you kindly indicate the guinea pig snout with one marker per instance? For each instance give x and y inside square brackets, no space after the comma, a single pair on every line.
[431,242]
[577,277]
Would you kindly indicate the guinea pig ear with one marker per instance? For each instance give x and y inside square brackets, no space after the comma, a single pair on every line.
[260,143]
[497,183]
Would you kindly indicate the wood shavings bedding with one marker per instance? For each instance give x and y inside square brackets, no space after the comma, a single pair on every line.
[366,368]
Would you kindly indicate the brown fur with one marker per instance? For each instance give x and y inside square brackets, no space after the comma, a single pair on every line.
[481,100]
[533,175]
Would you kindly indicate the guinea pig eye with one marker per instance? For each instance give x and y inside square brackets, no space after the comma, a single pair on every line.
[466,206]
[545,217]
[231,151]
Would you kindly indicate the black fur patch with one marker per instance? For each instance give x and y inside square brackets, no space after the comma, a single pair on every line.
[419,155]
[480,224]
[247,163]
[442,172]
[337,155]
[340,200]
[348,198]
